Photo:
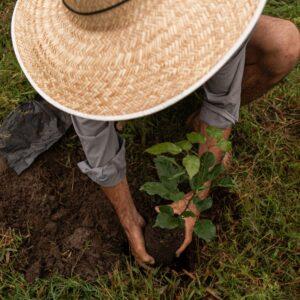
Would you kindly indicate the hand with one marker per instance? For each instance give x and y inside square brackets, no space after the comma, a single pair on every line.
[134,231]
[189,223]
[187,204]
[131,220]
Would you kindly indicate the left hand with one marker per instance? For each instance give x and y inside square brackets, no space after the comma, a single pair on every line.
[189,223]
[187,204]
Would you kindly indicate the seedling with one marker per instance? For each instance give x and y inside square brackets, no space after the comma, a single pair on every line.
[178,164]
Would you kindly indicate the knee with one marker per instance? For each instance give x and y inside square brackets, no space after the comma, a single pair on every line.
[283,51]
[288,47]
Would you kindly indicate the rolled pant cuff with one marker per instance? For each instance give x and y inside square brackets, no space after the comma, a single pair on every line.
[220,119]
[110,174]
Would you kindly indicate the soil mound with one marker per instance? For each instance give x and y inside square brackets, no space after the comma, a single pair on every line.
[162,244]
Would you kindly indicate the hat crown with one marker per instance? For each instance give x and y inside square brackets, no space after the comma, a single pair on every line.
[91,6]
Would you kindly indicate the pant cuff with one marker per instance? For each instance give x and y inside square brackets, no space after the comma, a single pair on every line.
[110,174]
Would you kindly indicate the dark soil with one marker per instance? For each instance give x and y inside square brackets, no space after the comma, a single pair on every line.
[162,244]
[68,225]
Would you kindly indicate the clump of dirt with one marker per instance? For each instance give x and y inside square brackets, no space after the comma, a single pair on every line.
[162,244]
[68,225]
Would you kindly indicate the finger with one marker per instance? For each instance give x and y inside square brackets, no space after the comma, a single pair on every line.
[179,206]
[141,254]
[193,121]
[142,257]
[147,259]
[186,242]
[189,227]
[137,245]
[227,160]
[143,265]
[120,125]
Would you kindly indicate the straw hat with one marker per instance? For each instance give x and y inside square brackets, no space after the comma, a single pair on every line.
[123,59]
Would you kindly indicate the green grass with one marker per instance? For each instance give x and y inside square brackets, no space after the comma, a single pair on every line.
[255,257]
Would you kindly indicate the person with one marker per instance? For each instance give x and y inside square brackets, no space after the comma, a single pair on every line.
[270,53]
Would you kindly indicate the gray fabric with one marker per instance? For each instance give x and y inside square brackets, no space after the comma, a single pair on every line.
[104,150]
[35,126]
[222,100]
[29,131]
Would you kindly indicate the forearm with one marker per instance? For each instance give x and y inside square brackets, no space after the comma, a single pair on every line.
[221,107]
[211,146]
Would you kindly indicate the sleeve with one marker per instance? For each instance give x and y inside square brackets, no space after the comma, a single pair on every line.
[104,149]
[222,99]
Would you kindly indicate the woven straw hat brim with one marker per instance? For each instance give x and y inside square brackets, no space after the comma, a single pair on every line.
[129,62]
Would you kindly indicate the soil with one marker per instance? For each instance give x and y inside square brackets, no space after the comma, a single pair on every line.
[162,244]
[68,225]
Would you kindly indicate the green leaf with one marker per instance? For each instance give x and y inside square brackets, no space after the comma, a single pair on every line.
[165,160]
[225,146]
[216,171]
[164,148]
[169,172]
[208,159]
[184,145]
[177,175]
[167,167]
[157,188]
[226,182]
[188,214]
[201,188]
[203,205]
[166,221]
[196,137]
[166,209]
[191,164]
[205,230]
[214,132]
[176,196]
[197,182]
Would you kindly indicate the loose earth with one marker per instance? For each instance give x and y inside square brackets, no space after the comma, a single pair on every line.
[68,225]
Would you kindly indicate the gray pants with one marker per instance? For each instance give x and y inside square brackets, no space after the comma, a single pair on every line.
[23,138]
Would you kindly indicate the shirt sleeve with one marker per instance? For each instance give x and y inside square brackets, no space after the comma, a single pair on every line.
[222,98]
[104,149]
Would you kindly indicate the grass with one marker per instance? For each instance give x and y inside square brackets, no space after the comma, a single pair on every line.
[254,257]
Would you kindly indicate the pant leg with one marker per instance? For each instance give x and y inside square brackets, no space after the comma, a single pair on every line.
[105,151]
[222,99]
